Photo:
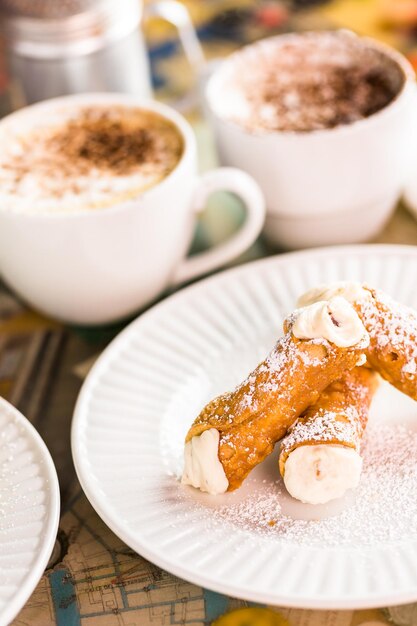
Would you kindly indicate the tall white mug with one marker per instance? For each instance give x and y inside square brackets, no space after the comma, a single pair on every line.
[331,186]
[96,266]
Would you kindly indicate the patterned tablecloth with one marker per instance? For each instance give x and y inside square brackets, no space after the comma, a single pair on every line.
[93,579]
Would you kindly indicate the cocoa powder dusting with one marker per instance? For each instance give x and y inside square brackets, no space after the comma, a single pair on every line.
[309,81]
[87,157]
[337,95]
[104,143]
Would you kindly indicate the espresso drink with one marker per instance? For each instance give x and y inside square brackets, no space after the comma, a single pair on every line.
[307,82]
[83,157]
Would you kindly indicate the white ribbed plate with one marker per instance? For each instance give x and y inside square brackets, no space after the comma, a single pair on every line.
[145,390]
[29,510]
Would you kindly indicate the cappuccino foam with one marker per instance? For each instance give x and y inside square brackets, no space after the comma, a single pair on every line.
[305,82]
[83,157]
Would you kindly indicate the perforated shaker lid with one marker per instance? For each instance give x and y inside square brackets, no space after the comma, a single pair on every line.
[51,28]
[46,9]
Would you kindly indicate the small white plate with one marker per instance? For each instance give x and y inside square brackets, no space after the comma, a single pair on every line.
[29,510]
[146,389]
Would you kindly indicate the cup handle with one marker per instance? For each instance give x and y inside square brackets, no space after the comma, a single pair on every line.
[177,14]
[240,183]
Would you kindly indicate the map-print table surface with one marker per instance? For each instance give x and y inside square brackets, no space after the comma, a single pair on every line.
[93,579]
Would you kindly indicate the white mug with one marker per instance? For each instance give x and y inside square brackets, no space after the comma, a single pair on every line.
[99,265]
[331,186]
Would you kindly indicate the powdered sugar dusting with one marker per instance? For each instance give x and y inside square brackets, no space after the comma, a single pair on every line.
[393,330]
[397,326]
[345,426]
[326,426]
[281,364]
[384,509]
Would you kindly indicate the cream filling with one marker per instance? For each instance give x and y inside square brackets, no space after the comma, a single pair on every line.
[335,320]
[350,290]
[320,473]
[202,468]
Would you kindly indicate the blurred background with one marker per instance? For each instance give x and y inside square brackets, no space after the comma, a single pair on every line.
[222,26]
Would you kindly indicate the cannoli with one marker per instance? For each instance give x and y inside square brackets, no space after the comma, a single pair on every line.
[392,329]
[238,429]
[320,455]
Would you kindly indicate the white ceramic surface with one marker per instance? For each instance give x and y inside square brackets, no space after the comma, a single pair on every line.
[145,390]
[410,192]
[97,266]
[29,510]
[327,186]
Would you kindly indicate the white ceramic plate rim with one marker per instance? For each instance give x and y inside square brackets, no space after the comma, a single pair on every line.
[44,550]
[96,497]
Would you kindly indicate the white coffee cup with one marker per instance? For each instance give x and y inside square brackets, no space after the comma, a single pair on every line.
[331,186]
[96,266]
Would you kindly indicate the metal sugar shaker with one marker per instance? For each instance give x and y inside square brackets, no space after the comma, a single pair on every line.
[64,47]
